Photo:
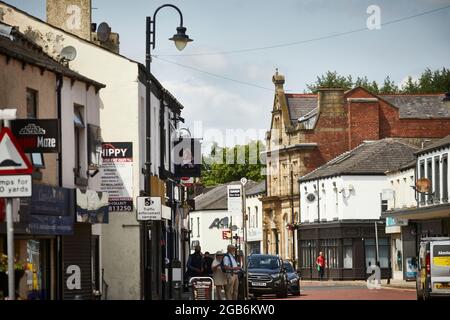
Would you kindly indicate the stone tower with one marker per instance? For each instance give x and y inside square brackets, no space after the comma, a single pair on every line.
[73,16]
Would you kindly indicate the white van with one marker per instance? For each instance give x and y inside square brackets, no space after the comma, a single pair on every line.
[433,277]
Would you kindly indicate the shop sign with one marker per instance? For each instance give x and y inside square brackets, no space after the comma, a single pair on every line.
[187,157]
[117,175]
[92,207]
[37,136]
[49,211]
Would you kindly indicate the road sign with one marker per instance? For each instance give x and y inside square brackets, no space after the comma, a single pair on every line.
[12,159]
[226,235]
[15,186]
[149,209]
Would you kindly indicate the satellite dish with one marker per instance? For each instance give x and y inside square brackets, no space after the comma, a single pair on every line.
[103,32]
[69,53]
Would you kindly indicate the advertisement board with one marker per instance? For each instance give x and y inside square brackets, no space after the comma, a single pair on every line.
[37,135]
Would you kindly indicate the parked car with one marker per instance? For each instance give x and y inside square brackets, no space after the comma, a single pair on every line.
[267,275]
[433,276]
[293,278]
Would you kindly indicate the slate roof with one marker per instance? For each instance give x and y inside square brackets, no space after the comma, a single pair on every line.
[258,189]
[300,105]
[23,49]
[370,158]
[419,106]
[217,198]
[445,142]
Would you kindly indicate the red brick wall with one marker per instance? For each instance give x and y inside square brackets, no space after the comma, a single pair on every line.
[363,122]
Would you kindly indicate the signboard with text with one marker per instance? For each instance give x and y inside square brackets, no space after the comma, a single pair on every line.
[37,135]
[149,209]
[235,199]
[117,175]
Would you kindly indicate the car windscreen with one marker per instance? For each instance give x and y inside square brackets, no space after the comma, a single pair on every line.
[264,263]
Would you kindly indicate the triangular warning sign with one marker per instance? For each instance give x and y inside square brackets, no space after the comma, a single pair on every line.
[13,160]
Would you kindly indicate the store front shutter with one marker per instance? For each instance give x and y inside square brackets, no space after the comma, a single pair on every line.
[77,251]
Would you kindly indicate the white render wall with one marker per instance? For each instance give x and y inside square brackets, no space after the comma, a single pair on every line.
[211,239]
[401,183]
[363,203]
[255,221]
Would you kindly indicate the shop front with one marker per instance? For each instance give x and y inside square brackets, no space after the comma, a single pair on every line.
[39,221]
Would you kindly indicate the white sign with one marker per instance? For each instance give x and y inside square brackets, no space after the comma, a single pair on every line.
[149,209]
[166,213]
[15,186]
[235,199]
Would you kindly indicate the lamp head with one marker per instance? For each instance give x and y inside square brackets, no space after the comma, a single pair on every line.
[181,39]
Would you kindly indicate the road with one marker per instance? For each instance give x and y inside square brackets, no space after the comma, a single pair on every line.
[345,291]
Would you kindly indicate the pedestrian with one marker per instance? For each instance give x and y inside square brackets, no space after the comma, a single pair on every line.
[208,260]
[220,278]
[195,264]
[231,269]
[320,262]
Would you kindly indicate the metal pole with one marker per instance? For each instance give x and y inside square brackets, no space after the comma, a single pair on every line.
[10,240]
[293,218]
[244,225]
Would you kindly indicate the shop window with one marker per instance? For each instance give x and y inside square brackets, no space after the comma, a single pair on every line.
[330,249]
[445,178]
[371,252]
[308,252]
[348,253]
[437,179]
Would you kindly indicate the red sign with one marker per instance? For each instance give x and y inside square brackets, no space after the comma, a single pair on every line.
[13,160]
[226,235]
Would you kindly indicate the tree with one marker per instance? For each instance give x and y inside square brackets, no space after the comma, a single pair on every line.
[224,165]
[429,82]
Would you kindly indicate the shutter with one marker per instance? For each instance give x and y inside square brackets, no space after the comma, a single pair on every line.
[77,251]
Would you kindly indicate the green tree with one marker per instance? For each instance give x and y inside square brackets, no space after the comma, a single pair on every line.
[331,80]
[389,87]
[224,165]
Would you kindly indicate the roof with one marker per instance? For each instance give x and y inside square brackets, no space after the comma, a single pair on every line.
[140,65]
[217,198]
[370,158]
[19,47]
[424,106]
[300,105]
[258,189]
[435,146]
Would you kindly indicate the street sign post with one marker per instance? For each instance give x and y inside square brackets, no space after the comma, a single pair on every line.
[149,209]
[15,182]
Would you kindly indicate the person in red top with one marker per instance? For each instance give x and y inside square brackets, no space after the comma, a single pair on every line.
[320,262]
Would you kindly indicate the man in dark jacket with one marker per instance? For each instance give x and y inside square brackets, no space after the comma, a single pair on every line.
[208,264]
[196,263]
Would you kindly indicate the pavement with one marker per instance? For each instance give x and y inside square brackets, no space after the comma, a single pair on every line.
[394,284]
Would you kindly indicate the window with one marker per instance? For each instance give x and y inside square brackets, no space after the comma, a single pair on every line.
[330,249]
[94,146]
[445,178]
[256,217]
[348,254]
[198,227]
[32,104]
[371,251]
[422,175]
[437,179]
[384,205]
[308,252]
[79,130]
[430,177]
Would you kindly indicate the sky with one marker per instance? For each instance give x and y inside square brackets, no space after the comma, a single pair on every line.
[398,49]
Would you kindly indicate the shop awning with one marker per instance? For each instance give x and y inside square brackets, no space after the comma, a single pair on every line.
[424,213]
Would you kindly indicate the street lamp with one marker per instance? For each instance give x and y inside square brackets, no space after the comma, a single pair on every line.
[181,39]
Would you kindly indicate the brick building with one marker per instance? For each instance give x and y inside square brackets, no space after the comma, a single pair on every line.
[308,130]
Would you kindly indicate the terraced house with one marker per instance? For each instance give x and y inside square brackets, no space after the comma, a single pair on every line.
[308,130]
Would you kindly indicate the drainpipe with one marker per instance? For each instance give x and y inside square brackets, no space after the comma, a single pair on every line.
[59,258]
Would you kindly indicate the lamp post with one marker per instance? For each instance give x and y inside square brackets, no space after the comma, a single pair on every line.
[181,39]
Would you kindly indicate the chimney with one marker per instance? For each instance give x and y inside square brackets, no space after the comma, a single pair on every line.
[279,81]
[73,16]
[331,101]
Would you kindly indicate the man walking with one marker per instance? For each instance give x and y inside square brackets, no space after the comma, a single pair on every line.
[320,262]
[231,269]
[195,264]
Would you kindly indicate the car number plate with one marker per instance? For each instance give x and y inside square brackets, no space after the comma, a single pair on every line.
[442,285]
[259,284]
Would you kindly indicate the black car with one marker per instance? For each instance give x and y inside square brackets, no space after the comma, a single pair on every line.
[267,275]
[293,278]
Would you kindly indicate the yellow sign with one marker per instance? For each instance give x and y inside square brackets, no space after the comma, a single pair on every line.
[441,261]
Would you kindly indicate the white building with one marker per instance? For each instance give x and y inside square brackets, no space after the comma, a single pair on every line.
[122,119]
[341,205]
[255,217]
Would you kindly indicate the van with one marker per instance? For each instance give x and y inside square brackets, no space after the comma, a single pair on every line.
[433,276]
